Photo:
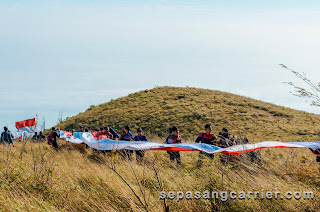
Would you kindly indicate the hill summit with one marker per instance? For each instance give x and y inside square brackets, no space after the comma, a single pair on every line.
[190,109]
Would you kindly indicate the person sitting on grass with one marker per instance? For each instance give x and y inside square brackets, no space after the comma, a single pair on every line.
[174,138]
[206,137]
[140,137]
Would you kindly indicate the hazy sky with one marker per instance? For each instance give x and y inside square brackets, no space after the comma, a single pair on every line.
[67,55]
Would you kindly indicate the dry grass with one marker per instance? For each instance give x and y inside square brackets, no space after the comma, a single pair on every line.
[34,177]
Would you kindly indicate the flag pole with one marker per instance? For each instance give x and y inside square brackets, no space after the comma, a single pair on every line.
[36,121]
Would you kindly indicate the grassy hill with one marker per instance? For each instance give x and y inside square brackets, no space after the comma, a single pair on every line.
[190,109]
[34,177]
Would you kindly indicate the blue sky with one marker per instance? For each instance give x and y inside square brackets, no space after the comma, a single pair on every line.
[63,56]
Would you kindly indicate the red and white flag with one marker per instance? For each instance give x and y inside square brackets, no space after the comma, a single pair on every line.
[28,125]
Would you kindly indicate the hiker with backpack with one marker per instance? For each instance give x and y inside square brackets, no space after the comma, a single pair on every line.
[6,137]
[52,138]
[206,137]
[140,137]
[316,152]
[174,138]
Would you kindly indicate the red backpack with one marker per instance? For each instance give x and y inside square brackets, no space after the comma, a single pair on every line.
[50,138]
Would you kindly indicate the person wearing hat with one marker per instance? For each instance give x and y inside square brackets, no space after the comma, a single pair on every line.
[6,136]
[174,138]
[140,137]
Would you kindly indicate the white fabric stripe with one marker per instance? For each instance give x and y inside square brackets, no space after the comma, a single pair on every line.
[27,129]
[264,144]
[107,144]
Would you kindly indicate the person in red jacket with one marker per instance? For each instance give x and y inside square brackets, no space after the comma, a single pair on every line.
[174,138]
[206,137]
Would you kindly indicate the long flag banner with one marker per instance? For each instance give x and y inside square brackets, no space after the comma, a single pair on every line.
[108,144]
[28,125]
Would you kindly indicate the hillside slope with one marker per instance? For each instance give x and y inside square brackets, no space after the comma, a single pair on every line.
[190,109]
[34,177]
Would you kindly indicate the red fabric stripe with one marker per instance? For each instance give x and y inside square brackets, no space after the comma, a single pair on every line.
[66,133]
[174,149]
[26,123]
[98,135]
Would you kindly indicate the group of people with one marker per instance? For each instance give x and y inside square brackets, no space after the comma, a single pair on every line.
[223,140]
[38,137]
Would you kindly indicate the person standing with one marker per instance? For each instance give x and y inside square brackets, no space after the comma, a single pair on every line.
[52,138]
[140,137]
[126,136]
[206,137]
[80,129]
[35,137]
[107,131]
[41,136]
[6,137]
[174,138]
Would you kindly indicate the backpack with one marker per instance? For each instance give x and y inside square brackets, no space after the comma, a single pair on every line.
[50,138]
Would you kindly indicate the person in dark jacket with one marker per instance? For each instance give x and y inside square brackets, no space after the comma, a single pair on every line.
[114,132]
[140,137]
[80,129]
[206,137]
[174,138]
[6,136]
[224,134]
[107,131]
[41,136]
[52,138]
[35,137]
[126,136]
